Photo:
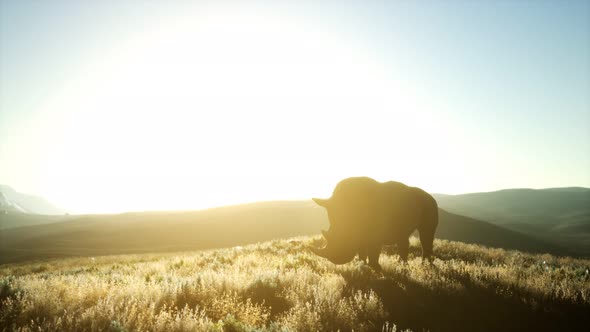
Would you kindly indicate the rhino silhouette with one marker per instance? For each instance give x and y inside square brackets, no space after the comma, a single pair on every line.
[365,214]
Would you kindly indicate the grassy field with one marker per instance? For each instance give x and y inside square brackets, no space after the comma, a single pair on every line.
[281,286]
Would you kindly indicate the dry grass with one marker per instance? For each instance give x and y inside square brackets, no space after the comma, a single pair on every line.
[280,286]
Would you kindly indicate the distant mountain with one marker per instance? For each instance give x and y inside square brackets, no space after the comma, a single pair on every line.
[7,206]
[216,228]
[558,215]
[555,208]
[13,201]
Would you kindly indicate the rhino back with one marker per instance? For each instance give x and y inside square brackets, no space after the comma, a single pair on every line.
[401,209]
[369,208]
[357,191]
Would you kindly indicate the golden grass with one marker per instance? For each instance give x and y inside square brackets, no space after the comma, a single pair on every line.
[280,286]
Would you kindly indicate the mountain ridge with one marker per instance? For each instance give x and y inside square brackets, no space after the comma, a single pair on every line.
[12,200]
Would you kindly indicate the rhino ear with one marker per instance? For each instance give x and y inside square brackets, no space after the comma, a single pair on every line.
[321,202]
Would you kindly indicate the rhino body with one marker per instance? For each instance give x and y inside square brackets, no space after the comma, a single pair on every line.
[365,215]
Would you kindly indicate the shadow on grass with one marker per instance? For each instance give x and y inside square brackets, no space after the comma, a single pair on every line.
[471,307]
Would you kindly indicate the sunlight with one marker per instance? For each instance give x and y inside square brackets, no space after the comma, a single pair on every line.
[294,165]
[228,109]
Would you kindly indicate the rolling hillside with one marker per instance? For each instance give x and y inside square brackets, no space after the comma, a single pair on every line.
[162,231]
[216,228]
[557,215]
[18,219]
[553,208]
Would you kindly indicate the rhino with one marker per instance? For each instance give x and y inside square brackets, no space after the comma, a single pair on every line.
[365,214]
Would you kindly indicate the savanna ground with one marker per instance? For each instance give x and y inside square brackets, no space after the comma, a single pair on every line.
[281,286]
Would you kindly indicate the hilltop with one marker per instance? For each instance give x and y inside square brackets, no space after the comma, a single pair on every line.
[281,286]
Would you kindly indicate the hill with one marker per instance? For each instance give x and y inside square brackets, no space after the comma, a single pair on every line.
[12,219]
[216,228]
[162,231]
[557,215]
[13,201]
[553,208]
[281,286]
[459,228]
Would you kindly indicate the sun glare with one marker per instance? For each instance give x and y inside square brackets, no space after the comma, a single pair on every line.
[222,109]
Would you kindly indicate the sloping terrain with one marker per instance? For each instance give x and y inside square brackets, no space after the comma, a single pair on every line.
[162,231]
[459,228]
[281,286]
[556,215]
[216,228]
[10,219]
[555,208]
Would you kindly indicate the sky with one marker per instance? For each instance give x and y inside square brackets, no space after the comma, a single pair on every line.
[112,106]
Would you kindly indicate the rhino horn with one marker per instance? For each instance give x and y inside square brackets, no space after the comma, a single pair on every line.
[340,257]
[322,202]
[322,252]
[334,257]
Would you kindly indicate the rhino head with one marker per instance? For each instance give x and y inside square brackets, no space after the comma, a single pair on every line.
[340,247]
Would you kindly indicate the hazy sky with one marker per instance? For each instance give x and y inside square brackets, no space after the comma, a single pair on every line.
[110,106]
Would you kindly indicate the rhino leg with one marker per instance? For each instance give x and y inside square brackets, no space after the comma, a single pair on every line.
[428,228]
[426,239]
[403,246]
